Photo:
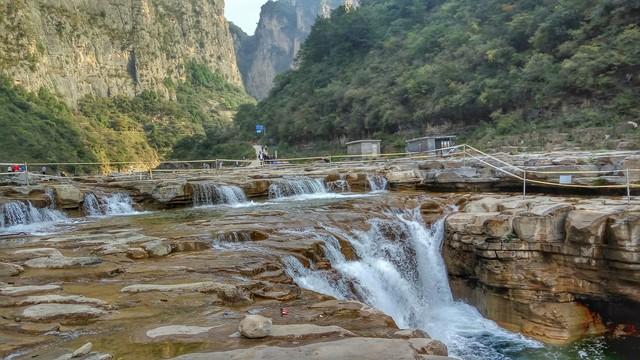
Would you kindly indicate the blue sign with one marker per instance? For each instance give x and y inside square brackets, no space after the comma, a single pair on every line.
[259,129]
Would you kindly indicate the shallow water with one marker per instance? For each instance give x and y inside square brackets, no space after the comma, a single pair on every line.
[385,275]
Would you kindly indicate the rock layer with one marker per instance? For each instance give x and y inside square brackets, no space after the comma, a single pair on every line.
[112,47]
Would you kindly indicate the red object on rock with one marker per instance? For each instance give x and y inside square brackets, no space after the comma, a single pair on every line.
[284,312]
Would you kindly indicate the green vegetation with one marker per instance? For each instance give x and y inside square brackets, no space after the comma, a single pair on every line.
[495,71]
[147,127]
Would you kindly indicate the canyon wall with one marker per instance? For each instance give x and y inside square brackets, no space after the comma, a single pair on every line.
[283,27]
[112,47]
[552,268]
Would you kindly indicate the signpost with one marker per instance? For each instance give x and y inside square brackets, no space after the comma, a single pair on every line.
[260,129]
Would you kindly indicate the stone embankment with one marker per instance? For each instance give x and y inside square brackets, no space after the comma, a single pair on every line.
[552,268]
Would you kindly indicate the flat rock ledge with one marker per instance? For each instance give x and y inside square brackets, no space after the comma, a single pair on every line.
[64,313]
[28,289]
[177,330]
[351,348]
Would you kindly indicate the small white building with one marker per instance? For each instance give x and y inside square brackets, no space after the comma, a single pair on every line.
[364,147]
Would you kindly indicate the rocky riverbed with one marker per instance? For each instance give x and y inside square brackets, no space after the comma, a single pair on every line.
[130,268]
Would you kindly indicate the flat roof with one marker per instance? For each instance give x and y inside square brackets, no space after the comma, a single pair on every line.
[432,137]
[362,141]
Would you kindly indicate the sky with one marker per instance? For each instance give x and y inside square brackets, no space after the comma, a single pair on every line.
[244,13]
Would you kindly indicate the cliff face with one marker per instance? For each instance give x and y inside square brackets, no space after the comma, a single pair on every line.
[283,27]
[553,269]
[112,47]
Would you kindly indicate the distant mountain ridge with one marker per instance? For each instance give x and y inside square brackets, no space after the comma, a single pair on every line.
[284,25]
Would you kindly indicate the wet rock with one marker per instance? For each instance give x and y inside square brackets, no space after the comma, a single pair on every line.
[157,248]
[68,196]
[61,262]
[255,327]
[177,330]
[83,350]
[228,293]
[351,348]
[65,313]
[426,346]
[410,334]
[27,254]
[136,253]
[170,193]
[60,299]
[27,290]
[7,269]
[307,331]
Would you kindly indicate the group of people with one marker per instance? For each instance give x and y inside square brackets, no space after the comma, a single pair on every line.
[15,168]
[263,156]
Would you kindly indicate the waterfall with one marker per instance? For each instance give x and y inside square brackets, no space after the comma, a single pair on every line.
[339,186]
[377,182]
[114,204]
[206,193]
[18,213]
[296,186]
[401,272]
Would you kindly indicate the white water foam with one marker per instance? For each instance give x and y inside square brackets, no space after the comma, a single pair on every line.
[207,194]
[401,272]
[23,217]
[296,186]
[112,205]
[377,182]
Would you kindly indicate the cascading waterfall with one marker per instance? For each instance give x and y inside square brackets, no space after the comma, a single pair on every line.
[377,182]
[400,271]
[339,186]
[114,204]
[206,194]
[18,213]
[296,186]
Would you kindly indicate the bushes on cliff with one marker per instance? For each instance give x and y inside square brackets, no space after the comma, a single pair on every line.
[404,66]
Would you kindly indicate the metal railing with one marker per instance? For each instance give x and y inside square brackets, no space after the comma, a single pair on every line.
[526,175]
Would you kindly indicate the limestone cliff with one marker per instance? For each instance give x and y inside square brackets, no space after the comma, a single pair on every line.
[112,47]
[283,27]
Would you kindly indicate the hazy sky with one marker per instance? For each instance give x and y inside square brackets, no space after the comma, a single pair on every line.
[244,13]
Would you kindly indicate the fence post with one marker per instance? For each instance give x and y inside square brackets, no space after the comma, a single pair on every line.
[524,185]
[464,152]
[26,172]
[628,188]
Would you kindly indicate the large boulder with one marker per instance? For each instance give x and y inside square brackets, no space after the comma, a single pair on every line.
[586,227]
[157,248]
[255,327]
[68,196]
[544,223]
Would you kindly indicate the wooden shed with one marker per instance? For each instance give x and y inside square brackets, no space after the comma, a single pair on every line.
[364,147]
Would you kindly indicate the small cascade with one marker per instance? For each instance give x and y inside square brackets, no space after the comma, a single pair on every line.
[114,204]
[296,186]
[234,237]
[377,182]
[339,186]
[206,194]
[91,205]
[51,194]
[16,213]
[400,271]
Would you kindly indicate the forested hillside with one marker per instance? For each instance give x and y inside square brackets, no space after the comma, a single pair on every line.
[147,127]
[504,72]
